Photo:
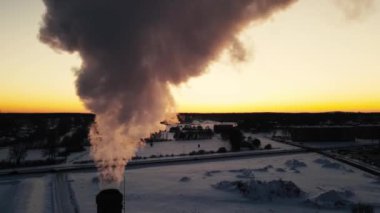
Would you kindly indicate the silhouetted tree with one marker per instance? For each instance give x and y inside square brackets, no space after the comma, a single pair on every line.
[222,150]
[17,152]
[362,208]
[40,131]
[268,146]
[51,146]
[75,142]
[235,138]
[256,143]
[64,126]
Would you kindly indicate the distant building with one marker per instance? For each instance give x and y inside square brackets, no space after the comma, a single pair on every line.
[220,128]
[161,136]
[190,132]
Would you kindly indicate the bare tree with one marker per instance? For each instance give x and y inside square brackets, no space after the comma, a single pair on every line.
[51,146]
[17,152]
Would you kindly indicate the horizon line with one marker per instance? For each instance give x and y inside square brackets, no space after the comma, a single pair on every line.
[261,112]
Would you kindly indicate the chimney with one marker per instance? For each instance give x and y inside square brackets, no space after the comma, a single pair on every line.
[109,201]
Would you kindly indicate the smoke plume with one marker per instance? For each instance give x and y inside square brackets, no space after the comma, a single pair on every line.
[355,9]
[132,50]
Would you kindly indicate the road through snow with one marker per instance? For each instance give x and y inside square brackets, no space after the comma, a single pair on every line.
[63,200]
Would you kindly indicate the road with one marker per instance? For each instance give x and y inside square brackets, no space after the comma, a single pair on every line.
[297,148]
[151,162]
[63,200]
[326,152]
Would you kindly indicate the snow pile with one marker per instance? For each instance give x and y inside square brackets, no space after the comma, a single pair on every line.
[264,169]
[333,166]
[261,190]
[211,173]
[246,173]
[332,199]
[325,163]
[294,164]
[228,186]
[185,179]
[249,173]
[236,170]
[322,161]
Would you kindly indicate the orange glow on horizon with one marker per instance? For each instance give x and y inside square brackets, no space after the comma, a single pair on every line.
[286,108]
[42,107]
[75,106]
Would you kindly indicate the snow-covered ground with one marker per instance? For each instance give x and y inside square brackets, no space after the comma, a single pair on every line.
[158,148]
[187,146]
[25,194]
[243,185]
[166,148]
[163,148]
[32,154]
[284,183]
[78,156]
[258,184]
[182,147]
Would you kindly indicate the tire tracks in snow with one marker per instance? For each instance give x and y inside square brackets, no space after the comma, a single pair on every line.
[63,199]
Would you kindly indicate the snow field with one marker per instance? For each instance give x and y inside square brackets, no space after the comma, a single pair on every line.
[189,187]
[26,195]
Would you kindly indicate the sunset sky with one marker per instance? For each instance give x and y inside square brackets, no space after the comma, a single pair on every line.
[311,57]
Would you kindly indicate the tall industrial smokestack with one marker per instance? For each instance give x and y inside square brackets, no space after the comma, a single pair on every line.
[109,201]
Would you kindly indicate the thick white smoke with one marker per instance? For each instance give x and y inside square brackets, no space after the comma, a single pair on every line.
[133,50]
[354,9]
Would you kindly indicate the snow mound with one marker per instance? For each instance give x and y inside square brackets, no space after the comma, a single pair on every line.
[236,170]
[332,199]
[322,161]
[261,190]
[246,173]
[294,164]
[211,173]
[325,163]
[185,179]
[333,166]
[249,173]
[225,185]
[264,169]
